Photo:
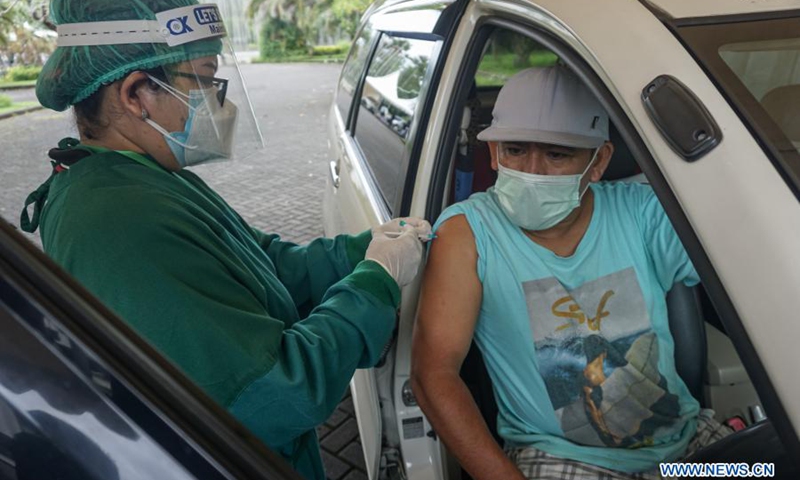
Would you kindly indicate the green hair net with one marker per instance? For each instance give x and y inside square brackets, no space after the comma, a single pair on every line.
[73,73]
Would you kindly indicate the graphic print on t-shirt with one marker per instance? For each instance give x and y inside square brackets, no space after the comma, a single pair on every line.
[598,356]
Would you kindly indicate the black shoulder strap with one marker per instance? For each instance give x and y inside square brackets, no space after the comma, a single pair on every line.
[62,157]
[66,155]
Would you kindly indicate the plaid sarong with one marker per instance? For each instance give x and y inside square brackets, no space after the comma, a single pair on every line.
[538,465]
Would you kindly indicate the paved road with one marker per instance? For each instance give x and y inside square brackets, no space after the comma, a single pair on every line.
[279,191]
[20,94]
[25,140]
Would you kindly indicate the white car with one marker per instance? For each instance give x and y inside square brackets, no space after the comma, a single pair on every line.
[704,98]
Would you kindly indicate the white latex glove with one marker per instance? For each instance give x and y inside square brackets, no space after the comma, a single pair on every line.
[397,247]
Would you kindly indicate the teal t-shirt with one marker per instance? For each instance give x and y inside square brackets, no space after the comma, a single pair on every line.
[579,348]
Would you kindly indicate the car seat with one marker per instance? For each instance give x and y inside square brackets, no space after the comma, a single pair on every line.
[783,105]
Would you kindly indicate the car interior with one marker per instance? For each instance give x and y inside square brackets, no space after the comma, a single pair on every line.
[782,105]
[705,357]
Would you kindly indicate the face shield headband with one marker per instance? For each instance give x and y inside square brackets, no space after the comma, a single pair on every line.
[173,27]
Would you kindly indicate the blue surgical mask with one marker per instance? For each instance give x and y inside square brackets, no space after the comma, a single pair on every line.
[538,202]
[208,132]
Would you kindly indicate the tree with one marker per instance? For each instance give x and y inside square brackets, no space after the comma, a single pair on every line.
[280,38]
[22,37]
[319,21]
[347,14]
[389,57]
[409,83]
[299,13]
[12,14]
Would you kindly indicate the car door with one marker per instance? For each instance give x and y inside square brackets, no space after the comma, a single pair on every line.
[375,132]
[713,191]
[712,200]
[84,397]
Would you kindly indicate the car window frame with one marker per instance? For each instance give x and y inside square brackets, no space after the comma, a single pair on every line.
[393,206]
[721,300]
[349,119]
[153,385]
[442,32]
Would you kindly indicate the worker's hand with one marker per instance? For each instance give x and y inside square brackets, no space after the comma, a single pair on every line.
[396,226]
[397,247]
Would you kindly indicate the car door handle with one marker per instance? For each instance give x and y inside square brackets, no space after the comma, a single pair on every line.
[334,171]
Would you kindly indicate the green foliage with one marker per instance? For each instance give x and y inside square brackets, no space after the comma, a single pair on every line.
[344,8]
[5,101]
[389,57]
[8,21]
[280,38]
[409,82]
[19,73]
[348,12]
[329,49]
[297,17]
[18,107]
[306,58]
[19,42]
[318,20]
[496,70]
[506,54]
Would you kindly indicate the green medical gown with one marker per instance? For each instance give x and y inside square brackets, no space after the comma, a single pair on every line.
[271,330]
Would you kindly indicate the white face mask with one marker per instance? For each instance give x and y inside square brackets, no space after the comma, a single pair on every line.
[209,130]
[538,202]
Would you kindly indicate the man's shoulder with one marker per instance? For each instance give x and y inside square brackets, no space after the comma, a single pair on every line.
[480,201]
[623,187]
[477,205]
[619,194]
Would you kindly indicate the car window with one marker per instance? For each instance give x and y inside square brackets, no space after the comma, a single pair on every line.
[770,70]
[757,65]
[393,85]
[504,54]
[508,52]
[351,72]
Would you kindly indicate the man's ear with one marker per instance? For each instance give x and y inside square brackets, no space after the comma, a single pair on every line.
[601,161]
[493,146]
[133,93]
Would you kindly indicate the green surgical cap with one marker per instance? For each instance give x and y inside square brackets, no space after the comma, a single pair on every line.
[72,74]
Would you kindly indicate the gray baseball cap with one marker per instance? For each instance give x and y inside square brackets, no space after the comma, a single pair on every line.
[547,105]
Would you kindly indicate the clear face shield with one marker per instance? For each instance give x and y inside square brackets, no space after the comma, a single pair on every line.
[206,80]
[220,123]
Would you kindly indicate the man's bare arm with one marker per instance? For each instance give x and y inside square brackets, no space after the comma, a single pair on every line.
[449,306]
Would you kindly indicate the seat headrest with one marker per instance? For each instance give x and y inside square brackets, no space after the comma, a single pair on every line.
[622,164]
[783,105]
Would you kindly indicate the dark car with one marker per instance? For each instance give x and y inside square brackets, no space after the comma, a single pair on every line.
[83,397]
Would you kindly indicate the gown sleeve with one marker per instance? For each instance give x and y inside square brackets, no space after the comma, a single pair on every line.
[319,355]
[308,271]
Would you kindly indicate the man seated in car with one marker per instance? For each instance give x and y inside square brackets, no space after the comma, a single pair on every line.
[562,282]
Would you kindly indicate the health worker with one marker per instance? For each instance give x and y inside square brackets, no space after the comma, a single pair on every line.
[271,330]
